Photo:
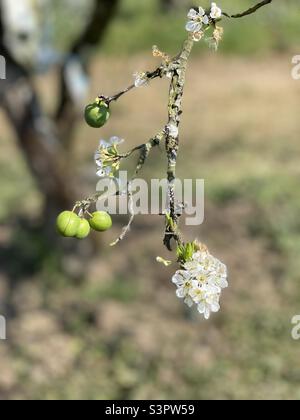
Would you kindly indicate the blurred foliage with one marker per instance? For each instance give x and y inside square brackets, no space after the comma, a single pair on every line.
[274,28]
[141,23]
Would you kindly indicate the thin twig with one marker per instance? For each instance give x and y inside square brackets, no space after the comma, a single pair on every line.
[150,76]
[249,11]
[127,228]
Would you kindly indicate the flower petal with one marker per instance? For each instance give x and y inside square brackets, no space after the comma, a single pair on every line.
[201,307]
[189,301]
[178,279]
[180,293]
[193,14]
[205,20]
[201,11]
[215,307]
[207,314]
[104,144]
[192,26]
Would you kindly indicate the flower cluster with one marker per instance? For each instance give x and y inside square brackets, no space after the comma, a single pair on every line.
[107,157]
[200,282]
[200,20]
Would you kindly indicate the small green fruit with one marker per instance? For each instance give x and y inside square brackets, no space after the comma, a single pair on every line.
[101,221]
[67,224]
[83,230]
[97,114]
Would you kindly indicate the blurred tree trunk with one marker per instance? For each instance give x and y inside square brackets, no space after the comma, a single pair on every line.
[41,139]
[37,137]
[38,140]
[93,35]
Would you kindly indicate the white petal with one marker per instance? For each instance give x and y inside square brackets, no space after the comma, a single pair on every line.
[178,279]
[180,293]
[216,12]
[192,26]
[192,14]
[104,144]
[205,20]
[223,283]
[201,307]
[116,140]
[189,302]
[195,284]
[207,314]
[215,307]
[201,11]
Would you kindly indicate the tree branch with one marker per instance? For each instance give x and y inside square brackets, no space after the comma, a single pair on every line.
[172,138]
[175,69]
[149,75]
[249,11]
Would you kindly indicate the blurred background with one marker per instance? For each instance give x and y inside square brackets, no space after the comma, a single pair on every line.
[88,322]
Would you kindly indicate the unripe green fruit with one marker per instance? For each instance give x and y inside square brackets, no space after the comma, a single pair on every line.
[67,224]
[97,114]
[101,221]
[83,230]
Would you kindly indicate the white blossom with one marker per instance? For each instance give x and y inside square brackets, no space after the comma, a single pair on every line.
[200,282]
[113,141]
[197,18]
[215,12]
[106,158]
